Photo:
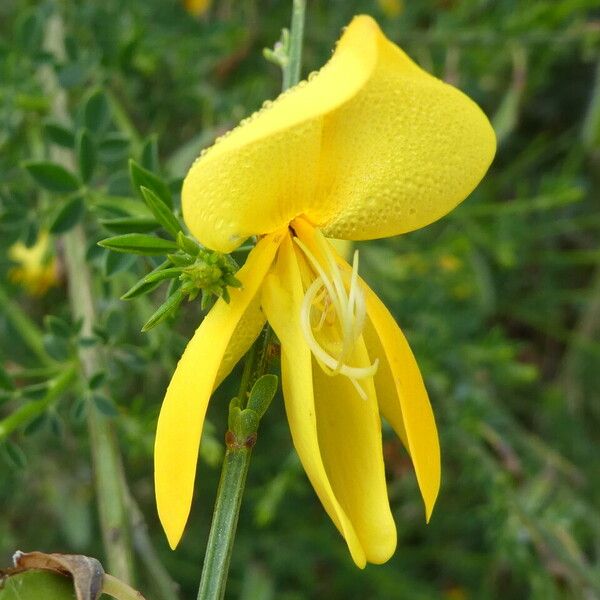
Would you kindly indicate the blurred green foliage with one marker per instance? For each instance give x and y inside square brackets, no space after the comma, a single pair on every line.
[500,300]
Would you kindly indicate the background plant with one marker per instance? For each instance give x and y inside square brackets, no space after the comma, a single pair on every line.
[501,300]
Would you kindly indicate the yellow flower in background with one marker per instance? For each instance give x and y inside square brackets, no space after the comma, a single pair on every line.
[37,269]
[197,7]
[391,8]
[369,147]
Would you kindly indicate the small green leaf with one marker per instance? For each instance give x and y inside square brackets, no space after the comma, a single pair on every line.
[129,225]
[58,327]
[161,211]
[59,134]
[96,112]
[138,243]
[57,347]
[262,394]
[51,176]
[67,216]
[142,177]
[105,405]
[97,380]
[164,310]
[114,147]
[14,455]
[86,154]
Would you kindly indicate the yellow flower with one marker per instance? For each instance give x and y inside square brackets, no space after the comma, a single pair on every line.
[197,7]
[37,271]
[371,146]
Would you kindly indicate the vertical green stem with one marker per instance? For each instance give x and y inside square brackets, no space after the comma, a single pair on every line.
[105,454]
[237,456]
[291,71]
[224,524]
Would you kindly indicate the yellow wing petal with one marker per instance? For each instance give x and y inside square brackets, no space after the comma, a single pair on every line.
[403,399]
[349,430]
[264,173]
[182,414]
[409,411]
[401,153]
[282,297]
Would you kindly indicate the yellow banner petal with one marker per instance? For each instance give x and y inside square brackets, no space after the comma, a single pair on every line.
[282,297]
[401,153]
[182,414]
[371,146]
[264,173]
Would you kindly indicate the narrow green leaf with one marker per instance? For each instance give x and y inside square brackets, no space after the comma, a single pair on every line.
[96,112]
[114,147]
[142,287]
[97,380]
[138,243]
[14,455]
[161,211]
[105,405]
[164,310]
[58,326]
[51,176]
[115,262]
[162,275]
[59,134]
[129,225]
[86,154]
[142,177]
[68,215]
[187,244]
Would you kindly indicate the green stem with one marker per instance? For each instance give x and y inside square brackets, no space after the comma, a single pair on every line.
[237,457]
[108,467]
[119,590]
[224,524]
[25,327]
[105,454]
[291,71]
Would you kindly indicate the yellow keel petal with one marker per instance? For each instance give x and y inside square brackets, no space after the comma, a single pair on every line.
[282,298]
[350,441]
[179,427]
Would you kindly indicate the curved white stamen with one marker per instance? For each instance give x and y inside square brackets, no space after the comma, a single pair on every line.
[328,293]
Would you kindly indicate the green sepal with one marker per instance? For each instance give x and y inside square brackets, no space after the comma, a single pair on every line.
[187,244]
